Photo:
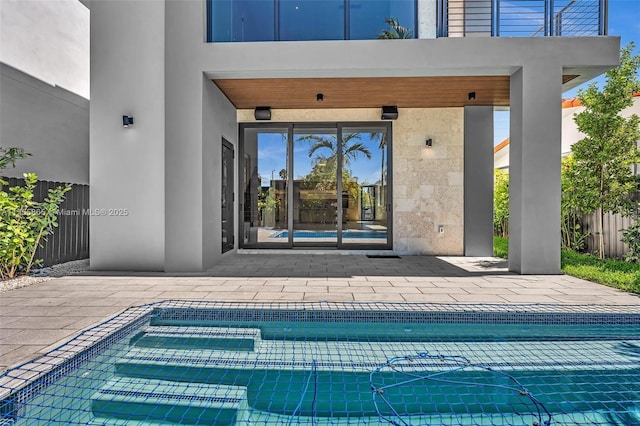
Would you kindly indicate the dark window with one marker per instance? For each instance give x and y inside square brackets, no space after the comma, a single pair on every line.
[293,20]
[242,20]
[311,20]
[367,17]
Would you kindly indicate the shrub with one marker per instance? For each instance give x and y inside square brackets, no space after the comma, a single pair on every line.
[613,273]
[573,238]
[24,222]
[501,247]
[10,155]
[631,237]
[501,203]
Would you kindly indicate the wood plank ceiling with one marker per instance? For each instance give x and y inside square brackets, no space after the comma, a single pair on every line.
[405,92]
[369,92]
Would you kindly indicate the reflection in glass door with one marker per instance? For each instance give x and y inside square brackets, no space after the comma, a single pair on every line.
[315,186]
[364,185]
[264,205]
[227,196]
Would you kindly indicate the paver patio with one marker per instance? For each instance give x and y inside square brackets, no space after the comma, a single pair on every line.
[37,318]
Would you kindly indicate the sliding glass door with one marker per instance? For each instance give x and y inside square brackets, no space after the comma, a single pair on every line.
[364,185]
[264,205]
[315,185]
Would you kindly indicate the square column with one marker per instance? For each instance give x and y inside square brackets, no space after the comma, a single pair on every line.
[126,165]
[534,171]
[478,181]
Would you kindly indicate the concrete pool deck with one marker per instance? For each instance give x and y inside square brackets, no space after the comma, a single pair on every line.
[37,318]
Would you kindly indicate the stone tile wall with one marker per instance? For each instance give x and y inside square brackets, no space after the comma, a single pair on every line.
[428,182]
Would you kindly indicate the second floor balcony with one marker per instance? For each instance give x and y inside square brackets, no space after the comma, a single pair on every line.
[297,20]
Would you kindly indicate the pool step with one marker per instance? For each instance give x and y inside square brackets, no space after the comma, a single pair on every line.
[204,366]
[131,399]
[212,338]
[103,421]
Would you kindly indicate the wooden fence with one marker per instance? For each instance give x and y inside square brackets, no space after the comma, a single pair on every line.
[613,226]
[70,240]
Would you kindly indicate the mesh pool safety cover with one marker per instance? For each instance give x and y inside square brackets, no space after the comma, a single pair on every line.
[178,362]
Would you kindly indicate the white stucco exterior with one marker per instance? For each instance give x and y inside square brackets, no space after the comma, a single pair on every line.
[570,133]
[47,39]
[44,87]
[50,123]
[168,163]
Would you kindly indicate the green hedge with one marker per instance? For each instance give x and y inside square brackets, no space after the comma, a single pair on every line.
[613,273]
[501,247]
[610,272]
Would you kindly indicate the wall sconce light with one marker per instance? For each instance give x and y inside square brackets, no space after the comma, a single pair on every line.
[319,97]
[127,121]
[429,142]
[472,96]
[262,113]
[389,112]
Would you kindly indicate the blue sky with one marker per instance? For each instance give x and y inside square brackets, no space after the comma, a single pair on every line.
[272,157]
[624,21]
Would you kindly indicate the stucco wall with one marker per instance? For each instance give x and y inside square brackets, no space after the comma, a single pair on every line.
[127,164]
[218,121]
[144,79]
[427,18]
[478,181]
[427,182]
[50,123]
[48,40]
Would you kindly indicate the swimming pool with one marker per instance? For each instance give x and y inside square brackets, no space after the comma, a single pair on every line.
[338,364]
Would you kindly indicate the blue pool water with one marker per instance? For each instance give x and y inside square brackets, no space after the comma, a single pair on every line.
[332,234]
[359,364]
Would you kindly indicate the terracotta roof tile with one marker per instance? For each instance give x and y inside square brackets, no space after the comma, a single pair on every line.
[575,102]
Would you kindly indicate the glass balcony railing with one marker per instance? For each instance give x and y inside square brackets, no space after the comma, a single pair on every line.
[291,20]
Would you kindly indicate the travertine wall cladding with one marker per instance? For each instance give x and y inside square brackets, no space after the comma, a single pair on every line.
[427,182]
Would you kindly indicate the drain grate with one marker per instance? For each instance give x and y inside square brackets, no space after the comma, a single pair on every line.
[383,256]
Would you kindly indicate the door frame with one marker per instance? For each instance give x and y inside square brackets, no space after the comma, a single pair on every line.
[339,126]
[230,189]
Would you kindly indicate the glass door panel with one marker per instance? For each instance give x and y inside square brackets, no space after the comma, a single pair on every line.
[364,185]
[315,186]
[227,196]
[265,190]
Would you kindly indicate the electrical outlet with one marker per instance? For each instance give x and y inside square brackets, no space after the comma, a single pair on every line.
[441,229]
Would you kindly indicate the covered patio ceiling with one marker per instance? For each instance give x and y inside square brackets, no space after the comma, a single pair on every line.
[367,92]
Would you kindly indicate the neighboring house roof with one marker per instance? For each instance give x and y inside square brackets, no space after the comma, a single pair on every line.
[501,145]
[570,134]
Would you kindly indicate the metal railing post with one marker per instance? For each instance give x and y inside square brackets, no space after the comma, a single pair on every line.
[439,18]
[443,18]
[603,17]
[495,18]
[550,17]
